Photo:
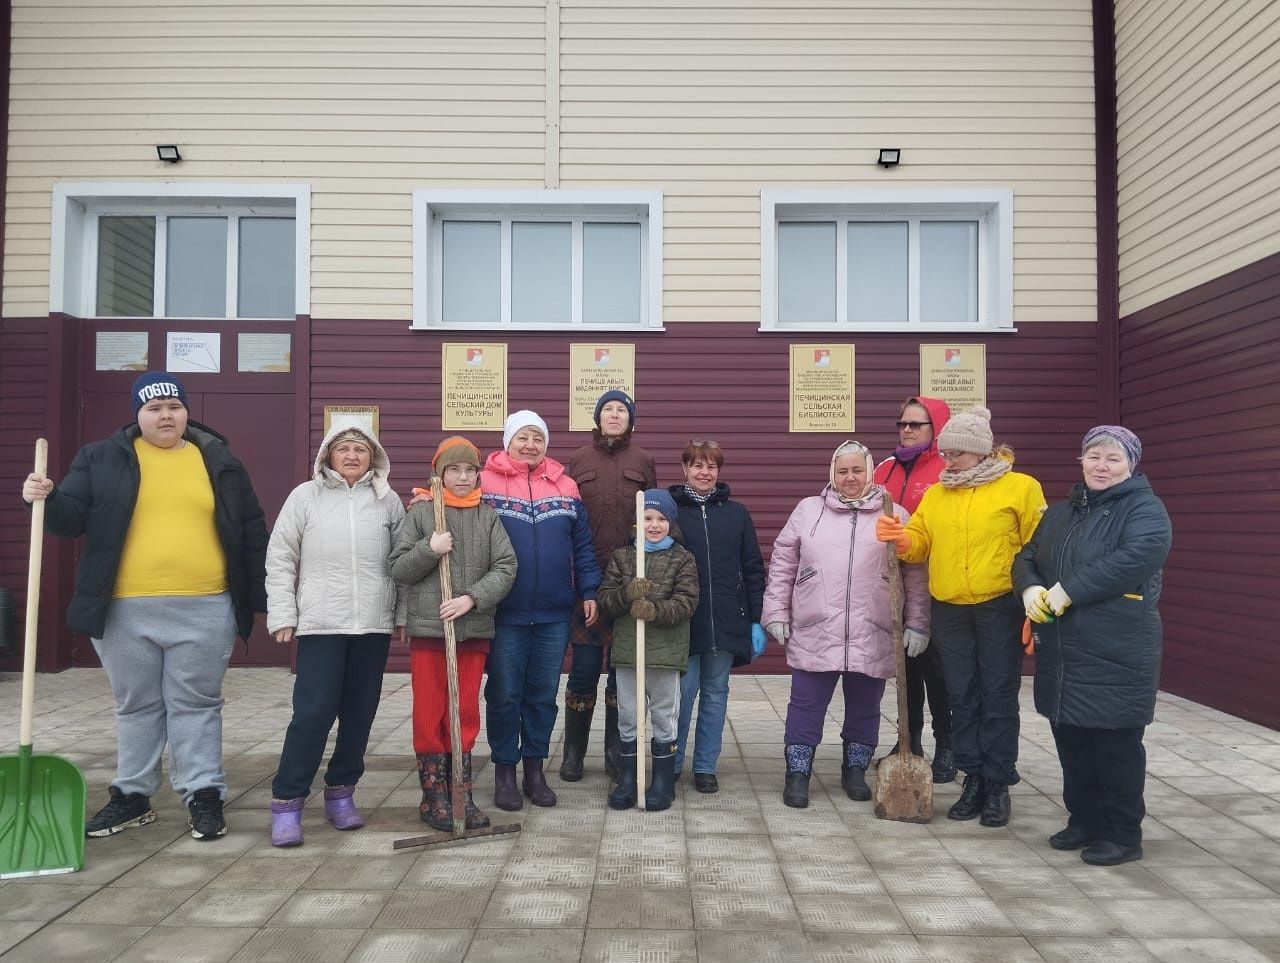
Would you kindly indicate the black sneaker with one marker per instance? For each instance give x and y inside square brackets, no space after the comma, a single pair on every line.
[206,820]
[124,811]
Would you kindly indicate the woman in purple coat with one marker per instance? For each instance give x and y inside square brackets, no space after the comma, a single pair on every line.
[827,602]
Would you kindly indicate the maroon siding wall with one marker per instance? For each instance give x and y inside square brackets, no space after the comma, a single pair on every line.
[713,380]
[1201,387]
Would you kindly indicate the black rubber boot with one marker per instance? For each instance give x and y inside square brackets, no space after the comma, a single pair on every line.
[799,768]
[853,770]
[505,793]
[578,711]
[995,808]
[944,761]
[971,798]
[612,740]
[662,787]
[624,793]
[535,785]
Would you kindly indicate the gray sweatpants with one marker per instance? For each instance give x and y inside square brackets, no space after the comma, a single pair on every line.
[662,690]
[165,657]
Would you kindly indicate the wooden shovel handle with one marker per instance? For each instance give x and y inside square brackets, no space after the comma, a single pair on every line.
[642,708]
[34,559]
[899,646]
[457,790]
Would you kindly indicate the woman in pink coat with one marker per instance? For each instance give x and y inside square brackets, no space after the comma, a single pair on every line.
[827,601]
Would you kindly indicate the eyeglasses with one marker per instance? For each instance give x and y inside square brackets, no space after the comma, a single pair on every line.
[952,455]
[703,443]
[465,471]
[913,425]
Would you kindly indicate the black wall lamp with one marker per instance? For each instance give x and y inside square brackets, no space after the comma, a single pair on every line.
[889,156]
[169,153]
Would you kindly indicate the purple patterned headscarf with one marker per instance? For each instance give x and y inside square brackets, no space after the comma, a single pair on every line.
[1123,437]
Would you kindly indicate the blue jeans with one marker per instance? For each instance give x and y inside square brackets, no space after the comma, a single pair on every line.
[339,677]
[520,696]
[706,680]
[585,670]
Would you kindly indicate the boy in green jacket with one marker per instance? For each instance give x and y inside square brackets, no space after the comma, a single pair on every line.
[665,599]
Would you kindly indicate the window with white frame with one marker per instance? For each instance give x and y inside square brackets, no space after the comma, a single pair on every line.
[537,259]
[181,251]
[874,260]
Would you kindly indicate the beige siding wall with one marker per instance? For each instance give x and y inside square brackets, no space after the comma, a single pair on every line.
[706,101]
[1199,142]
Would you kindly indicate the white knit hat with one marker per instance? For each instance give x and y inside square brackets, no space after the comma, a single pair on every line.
[524,418]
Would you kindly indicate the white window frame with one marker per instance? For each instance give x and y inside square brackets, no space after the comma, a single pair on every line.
[74,237]
[431,207]
[992,208]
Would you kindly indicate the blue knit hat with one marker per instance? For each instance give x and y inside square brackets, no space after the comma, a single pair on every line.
[617,395]
[153,385]
[660,500]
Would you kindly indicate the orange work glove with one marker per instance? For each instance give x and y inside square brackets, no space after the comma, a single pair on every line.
[891,530]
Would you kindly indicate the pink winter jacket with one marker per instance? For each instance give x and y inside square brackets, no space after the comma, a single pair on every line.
[829,580]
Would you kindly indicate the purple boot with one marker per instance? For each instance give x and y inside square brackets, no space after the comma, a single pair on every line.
[286,822]
[339,809]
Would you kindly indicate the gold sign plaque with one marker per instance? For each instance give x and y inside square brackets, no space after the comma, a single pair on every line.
[593,370]
[473,387]
[364,417]
[954,373]
[822,387]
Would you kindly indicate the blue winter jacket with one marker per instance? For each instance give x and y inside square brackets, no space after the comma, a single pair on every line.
[547,524]
[722,538]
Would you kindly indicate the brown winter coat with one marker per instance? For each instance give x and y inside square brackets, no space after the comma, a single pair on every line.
[674,574]
[608,478]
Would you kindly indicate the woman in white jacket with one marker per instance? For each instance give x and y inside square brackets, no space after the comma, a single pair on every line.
[329,586]
[827,601]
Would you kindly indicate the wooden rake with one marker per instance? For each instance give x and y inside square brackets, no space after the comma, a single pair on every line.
[457,794]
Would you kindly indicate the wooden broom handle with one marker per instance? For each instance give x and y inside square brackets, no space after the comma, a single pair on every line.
[451,665]
[900,651]
[34,559]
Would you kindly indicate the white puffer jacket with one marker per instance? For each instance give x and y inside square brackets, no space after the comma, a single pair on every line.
[327,561]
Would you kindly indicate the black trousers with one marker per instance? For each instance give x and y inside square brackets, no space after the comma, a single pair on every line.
[982,661]
[925,680]
[339,677]
[1104,772]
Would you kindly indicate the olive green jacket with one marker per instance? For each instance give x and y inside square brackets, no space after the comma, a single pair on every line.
[674,574]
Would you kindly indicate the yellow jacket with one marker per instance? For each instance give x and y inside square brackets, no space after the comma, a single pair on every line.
[970,536]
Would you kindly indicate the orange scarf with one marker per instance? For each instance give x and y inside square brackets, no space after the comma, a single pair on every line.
[452,500]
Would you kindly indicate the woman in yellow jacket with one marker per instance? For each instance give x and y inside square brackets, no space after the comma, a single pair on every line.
[969,527]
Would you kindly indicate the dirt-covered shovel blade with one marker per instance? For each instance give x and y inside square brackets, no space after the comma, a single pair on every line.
[41,797]
[904,781]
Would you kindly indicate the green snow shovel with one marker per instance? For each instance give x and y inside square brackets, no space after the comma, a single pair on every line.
[41,797]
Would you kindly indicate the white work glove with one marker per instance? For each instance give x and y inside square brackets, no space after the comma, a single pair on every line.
[915,641]
[1058,599]
[1035,606]
[780,631]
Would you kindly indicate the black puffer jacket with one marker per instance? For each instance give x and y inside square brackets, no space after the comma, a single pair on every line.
[722,538]
[1098,664]
[97,499]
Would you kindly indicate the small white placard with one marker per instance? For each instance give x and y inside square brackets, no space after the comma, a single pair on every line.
[121,351]
[194,351]
[263,352]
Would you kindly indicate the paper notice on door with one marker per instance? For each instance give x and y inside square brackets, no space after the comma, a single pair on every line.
[194,351]
[120,351]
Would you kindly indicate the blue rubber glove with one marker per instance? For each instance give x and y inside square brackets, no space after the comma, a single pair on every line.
[758,640]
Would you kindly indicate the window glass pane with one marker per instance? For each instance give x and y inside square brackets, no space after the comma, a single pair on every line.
[948,271]
[266,268]
[611,273]
[196,268]
[807,271]
[472,282]
[126,266]
[878,280]
[541,271]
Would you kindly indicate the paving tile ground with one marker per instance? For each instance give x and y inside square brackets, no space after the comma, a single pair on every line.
[734,876]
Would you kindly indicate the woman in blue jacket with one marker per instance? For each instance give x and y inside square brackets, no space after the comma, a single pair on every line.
[726,628]
[1098,640]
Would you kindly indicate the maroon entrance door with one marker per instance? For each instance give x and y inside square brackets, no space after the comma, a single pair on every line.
[253,411]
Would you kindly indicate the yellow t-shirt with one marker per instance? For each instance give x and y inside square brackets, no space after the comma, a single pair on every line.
[172,545]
